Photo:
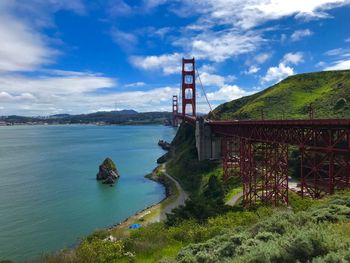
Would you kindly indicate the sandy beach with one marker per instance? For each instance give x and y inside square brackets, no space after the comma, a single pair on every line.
[175,196]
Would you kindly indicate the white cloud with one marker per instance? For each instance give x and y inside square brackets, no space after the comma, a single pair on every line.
[293,58]
[347,40]
[211,79]
[65,85]
[227,93]
[207,68]
[161,32]
[343,52]
[239,34]
[251,13]
[135,84]
[168,63]
[252,70]
[262,58]
[299,34]
[283,69]
[219,46]
[7,97]
[230,78]
[277,73]
[119,8]
[80,93]
[125,40]
[21,48]
[150,4]
[339,65]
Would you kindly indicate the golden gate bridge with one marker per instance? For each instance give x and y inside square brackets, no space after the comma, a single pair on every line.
[258,150]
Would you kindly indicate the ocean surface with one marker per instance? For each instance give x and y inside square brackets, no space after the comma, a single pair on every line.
[49,197]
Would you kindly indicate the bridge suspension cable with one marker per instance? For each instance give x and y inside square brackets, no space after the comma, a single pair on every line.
[205,94]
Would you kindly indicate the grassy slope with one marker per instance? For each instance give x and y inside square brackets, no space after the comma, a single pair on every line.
[328,91]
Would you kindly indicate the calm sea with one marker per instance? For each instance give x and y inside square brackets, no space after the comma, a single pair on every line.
[49,197]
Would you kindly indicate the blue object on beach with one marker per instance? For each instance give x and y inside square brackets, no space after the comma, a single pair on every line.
[134,226]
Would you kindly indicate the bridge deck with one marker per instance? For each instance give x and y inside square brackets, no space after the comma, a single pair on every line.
[327,123]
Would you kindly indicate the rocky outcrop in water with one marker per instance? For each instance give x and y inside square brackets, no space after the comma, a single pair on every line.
[165,145]
[108,172]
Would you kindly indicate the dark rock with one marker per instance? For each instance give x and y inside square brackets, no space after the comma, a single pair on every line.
[109,180]
[108,172]
[163,158]
[165,145]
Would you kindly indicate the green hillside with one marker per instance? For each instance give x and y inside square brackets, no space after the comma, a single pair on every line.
[327,91]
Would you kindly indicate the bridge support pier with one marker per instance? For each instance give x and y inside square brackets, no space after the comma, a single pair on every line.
[208,145]
[264,170]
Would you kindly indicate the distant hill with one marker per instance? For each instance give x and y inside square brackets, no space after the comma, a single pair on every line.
[103,117]
[327,91]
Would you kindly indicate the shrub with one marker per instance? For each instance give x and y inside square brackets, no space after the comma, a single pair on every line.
[99,251]
[340,104]
[284,237]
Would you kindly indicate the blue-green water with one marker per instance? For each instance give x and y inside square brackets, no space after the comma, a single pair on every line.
[49,197]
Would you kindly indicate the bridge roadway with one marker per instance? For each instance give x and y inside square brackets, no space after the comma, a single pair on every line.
[258,152]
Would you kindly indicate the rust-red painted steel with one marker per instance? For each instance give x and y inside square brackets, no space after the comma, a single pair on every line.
[186,118]
[188,86]
[324,146]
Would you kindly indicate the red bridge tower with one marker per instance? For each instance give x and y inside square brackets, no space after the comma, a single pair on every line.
[188,86]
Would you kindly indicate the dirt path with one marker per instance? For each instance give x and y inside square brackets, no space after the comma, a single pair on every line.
[233,201]
[155,213]
[180,200]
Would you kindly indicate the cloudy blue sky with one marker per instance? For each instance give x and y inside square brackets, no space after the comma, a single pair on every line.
[78,56]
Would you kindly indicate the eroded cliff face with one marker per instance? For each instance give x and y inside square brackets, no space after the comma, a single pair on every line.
[108,172]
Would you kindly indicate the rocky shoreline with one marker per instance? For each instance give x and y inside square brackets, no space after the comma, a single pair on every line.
[151,176]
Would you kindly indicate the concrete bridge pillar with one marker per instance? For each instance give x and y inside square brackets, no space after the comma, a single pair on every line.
[208,145]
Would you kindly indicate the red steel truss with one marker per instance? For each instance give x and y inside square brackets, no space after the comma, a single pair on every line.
[175,111]
[230,148]
[324,148]
[264,170]
[188,86]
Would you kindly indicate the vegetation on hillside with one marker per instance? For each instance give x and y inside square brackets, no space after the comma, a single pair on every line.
[320,234]
[202,179]
[328,92]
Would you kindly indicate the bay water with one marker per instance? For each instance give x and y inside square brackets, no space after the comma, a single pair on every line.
[49,197]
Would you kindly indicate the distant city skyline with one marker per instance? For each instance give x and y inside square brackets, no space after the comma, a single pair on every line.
[76,56]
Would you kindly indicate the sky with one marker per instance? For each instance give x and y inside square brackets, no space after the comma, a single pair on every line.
[81,56]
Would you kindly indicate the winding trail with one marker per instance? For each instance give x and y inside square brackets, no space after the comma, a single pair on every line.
[180,200]
[233,201]
[155,213]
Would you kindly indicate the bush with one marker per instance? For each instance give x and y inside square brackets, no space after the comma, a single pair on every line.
[340,104]
[99,251]
[284,237]
[98,235]
[200,207]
